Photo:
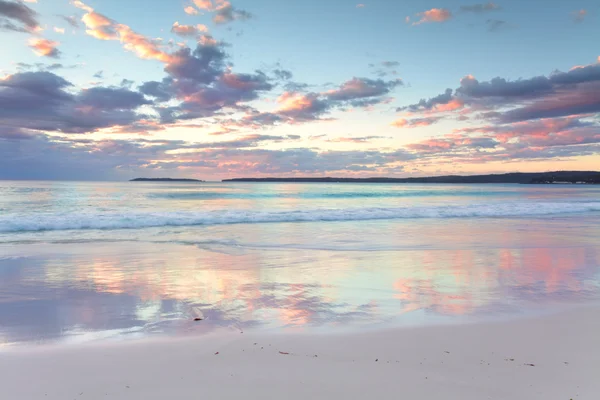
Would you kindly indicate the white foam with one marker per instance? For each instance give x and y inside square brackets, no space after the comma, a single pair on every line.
[83,221]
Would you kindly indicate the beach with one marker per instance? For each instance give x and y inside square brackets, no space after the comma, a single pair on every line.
[550,357]
[238,290]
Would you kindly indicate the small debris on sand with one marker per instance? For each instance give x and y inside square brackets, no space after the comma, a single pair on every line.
[283,352]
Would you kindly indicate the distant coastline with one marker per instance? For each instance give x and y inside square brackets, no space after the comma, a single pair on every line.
[164,180]
[557,177]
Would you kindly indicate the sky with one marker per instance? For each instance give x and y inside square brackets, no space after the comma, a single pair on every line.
[216,89]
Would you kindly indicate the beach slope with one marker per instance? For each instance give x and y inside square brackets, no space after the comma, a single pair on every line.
[551,357]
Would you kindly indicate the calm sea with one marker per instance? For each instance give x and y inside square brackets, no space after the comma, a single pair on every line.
[102,261]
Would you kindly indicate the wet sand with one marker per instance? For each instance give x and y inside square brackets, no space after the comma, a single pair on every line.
[550,357]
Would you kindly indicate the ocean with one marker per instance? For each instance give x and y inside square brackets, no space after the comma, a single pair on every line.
[87,261]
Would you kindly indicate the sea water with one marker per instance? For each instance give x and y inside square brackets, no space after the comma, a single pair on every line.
[84,261]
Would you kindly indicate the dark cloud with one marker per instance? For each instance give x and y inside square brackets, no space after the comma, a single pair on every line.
[107,98]
[16,16]
[583,99]
[589,73]
[43,67]
[428,104]
[99,75]
[159,90]
[202,65]
[359,88]
[390,64]
[44,101]
[71,20]
[282,74]
[500,87]
[480,8]
[10,133]
[127,83]
[495,25]
[559,94]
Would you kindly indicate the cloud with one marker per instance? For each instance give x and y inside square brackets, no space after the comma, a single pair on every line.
[44,47]
[433,15]
[41,156]
[579,15]
[295,107]
[104,28]
[360,6]
[440,103]
[495,25]
[226,13]
[534,140]
[204,5]
[282,74]
[44,101]
[579,100]
[190,10]
[70,20]
[189,30]
[59,30]
[360,88]
[18,17]
[559,94]
[390,64]
[500,87]
[480,8]
[415,122]
[44,67]
[203,84]
[356,139]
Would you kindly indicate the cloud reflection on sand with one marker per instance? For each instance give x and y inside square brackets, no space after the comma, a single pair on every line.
[70,291]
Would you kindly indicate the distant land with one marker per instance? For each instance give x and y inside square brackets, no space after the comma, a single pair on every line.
[164,180]
[583,177]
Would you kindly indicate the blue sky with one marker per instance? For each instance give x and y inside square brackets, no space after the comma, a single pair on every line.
[294,88]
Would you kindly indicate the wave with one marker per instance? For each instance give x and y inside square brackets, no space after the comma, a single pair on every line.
[87,221]
[207,195]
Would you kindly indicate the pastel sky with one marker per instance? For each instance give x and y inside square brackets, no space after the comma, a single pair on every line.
[213,89]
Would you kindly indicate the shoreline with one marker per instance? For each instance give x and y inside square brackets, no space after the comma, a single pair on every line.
[548,357]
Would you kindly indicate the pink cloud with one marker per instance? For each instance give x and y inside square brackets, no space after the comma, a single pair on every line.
[190,10]
[415,123]
[452,105]
[204,5]
[433,15]
[188,30]
[104,28]
[44,47]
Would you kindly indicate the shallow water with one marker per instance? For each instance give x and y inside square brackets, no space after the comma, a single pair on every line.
[91,261]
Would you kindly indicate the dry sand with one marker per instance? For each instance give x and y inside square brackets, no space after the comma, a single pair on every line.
[554,357]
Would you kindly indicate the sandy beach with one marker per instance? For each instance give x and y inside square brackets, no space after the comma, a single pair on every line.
[550,357]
